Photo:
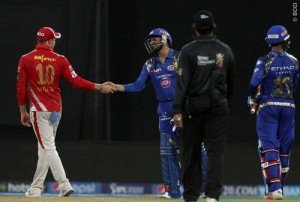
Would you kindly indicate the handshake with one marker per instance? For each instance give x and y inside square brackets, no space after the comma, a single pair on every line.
[108,87]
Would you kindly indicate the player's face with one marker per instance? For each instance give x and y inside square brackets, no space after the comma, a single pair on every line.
[155,41]
[153,44]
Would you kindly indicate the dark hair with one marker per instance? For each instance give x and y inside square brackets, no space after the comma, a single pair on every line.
[202,32]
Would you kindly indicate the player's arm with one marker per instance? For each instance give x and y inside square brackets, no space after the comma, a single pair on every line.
[257,76]
[120,87]
[254,86]
[76,81]
[21,93]
[136,86]
[25,118]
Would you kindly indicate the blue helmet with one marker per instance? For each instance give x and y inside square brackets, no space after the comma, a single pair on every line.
[157,32]
[277,34]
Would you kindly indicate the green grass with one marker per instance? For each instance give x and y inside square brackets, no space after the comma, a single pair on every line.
[119,199]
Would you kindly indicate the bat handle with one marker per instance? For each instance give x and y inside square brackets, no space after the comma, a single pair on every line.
[253,108]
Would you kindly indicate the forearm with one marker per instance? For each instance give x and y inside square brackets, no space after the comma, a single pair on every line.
[22,109]
[120,87]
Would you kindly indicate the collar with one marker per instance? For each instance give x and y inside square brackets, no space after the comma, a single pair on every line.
[170,54]
[205,37]
[44,47]
[275,53]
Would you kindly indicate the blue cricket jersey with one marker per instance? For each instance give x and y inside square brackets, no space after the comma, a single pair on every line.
[163,78]
[278,75]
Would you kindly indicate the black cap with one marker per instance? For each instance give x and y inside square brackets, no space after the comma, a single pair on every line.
[204,20]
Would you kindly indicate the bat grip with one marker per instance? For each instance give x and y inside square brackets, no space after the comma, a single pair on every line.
[253,108]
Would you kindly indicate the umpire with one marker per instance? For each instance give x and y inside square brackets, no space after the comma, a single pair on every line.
[206,75]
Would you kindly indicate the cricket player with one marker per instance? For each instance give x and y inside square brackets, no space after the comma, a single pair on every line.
[39,72]
[161,69]
[277,74]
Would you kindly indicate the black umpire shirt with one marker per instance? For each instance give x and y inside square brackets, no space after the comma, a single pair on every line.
[205,69]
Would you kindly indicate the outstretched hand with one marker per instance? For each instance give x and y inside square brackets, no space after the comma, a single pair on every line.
[106,87]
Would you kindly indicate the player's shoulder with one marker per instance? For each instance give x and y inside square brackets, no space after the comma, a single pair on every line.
[265,58]
[58,55]
[293,58]
[174,54]
[150,61]
[27,54]
[223,45]
[189,47]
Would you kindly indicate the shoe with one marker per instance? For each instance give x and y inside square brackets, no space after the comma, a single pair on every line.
[277,195]
[66,193]
[202,195]
[169,195]
[268,197]
[164,195]
[211,200]
[33,193]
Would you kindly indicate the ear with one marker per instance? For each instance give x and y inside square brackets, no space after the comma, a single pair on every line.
[214,27]
[195,32]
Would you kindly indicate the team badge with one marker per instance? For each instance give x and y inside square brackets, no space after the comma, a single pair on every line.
[165,82]
[220,60]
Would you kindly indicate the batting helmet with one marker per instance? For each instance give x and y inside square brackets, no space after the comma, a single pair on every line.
[277,34]
[157,32]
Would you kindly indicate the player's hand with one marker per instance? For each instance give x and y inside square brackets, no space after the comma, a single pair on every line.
[25,119]
[108,87]
[252,104]
[178,120]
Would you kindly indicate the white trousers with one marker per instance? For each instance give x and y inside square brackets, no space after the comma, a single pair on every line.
[45,132]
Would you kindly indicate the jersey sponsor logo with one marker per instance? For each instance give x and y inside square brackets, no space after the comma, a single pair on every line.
[165,82]
[171,68]
[164,75]
[73,73]
[204,60]
[42,58]
[283,68]
[153,71]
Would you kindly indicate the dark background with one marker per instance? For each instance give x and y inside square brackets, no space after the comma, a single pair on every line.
[114,137]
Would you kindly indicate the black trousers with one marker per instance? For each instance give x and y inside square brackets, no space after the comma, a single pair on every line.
[210,127]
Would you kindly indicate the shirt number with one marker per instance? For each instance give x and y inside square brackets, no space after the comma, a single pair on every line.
[46,74]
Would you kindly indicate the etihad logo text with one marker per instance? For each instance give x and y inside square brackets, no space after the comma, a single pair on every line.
[283,68]
[42,58]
